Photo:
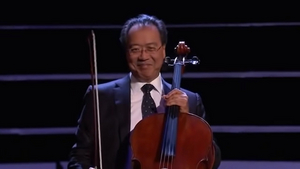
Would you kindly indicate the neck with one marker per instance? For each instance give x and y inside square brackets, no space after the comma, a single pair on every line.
[145,80]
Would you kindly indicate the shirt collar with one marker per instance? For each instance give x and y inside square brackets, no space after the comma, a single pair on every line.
[136,85]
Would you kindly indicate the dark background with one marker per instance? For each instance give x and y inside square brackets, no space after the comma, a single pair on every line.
[228,101]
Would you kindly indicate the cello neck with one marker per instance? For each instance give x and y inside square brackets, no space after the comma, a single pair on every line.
[177,74]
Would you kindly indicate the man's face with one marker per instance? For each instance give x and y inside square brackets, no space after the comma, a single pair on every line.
[145,53]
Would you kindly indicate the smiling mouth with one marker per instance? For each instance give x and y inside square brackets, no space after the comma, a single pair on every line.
[144,65]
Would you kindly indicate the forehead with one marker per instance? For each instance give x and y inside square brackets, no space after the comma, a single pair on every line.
[142,35]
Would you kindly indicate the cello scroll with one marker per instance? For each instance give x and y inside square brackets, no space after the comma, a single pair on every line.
[182,51]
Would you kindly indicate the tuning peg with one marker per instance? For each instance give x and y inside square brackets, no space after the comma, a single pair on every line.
[167,59]
[195,60]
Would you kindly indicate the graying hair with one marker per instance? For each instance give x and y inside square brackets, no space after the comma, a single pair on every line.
[144,19]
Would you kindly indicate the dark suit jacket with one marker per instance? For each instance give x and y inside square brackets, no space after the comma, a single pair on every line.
[115,125]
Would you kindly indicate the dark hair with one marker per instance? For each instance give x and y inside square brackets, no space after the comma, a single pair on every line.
[144,19]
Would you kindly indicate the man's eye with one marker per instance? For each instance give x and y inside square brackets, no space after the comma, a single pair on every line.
[134,49]
[150,48]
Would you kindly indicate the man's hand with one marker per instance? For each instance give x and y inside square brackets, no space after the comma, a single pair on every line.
[179,98]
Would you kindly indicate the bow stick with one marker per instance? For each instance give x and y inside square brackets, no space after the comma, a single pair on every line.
[94,76]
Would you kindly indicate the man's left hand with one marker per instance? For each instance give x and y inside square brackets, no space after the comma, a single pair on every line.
[179,98]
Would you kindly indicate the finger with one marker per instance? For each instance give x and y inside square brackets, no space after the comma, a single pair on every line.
[169,94]
[177,96]
[172,97]
[177,100]
[174,92]
[175,103]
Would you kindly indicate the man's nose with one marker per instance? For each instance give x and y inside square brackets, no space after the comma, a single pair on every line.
[144,55]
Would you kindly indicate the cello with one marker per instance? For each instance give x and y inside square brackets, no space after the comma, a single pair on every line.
[173,140]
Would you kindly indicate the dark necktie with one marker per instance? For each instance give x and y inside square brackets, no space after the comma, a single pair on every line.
[148,104]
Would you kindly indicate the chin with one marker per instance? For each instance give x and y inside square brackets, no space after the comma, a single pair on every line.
[148,77]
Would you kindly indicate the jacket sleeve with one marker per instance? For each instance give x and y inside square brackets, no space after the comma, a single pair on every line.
[81,153]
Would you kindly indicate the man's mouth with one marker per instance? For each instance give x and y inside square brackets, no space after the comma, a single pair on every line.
[144,65]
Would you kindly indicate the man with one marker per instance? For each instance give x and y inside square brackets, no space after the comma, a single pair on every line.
[121,101]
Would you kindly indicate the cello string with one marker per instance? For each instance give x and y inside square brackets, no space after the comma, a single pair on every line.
[168,136]
[177,71]
[170,122]
[169,140]
[172,117]
[170,132]
[166,140]
[162,156]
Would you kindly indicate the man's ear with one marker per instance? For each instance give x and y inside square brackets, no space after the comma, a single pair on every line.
[164,50]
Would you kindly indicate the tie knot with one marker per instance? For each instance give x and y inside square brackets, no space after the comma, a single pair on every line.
[147,88]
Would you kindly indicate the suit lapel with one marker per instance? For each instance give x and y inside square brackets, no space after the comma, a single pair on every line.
[122,102]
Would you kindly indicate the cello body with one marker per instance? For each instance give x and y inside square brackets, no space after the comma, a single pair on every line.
[194,146]
[173,140]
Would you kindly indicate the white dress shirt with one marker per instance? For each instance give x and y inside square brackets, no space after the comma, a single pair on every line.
[137,98]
